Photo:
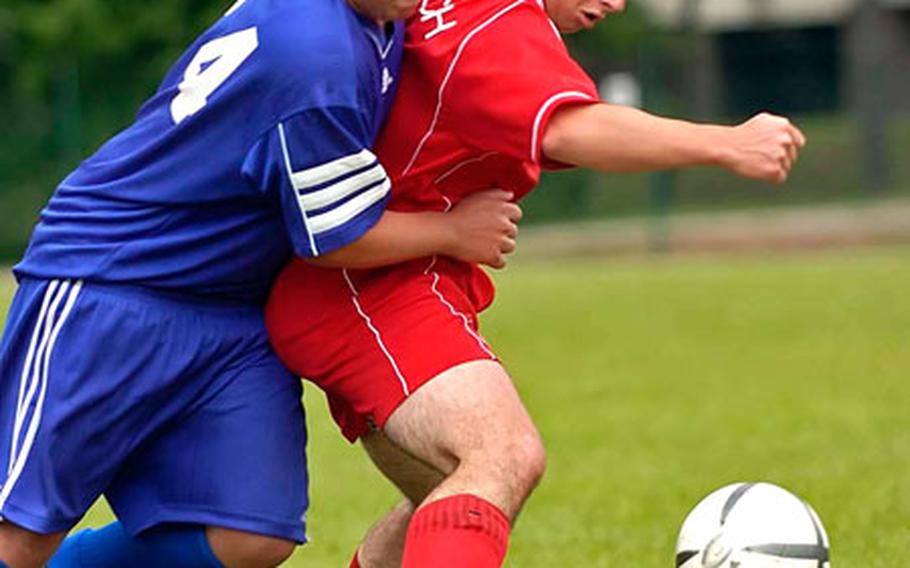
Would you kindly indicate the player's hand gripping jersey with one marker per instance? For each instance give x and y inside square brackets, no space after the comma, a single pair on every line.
[253,147]
[480,80]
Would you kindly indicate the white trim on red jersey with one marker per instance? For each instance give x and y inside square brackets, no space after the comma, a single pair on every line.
[429,271]
[552,23]
[542,112]
[448,75]
[463,163]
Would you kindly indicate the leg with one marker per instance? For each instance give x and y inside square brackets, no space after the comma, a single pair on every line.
[158,433]
[40,496]
[236,465]
[174,484]
[470,421]
[237,549]
[400,349]
[415,478]
[383,545]
[174,546]
[167,491]
[20,548]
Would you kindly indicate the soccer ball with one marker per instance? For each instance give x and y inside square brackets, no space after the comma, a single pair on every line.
[752,525]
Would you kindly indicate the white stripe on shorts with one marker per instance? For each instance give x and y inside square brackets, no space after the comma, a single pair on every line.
[464,319]
[40,325]
[376,334]
[41,371]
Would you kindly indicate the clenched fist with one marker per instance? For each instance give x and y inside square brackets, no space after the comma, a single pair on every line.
[764,148]
[485,224]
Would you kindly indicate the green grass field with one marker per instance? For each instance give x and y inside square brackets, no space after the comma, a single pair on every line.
[655,381]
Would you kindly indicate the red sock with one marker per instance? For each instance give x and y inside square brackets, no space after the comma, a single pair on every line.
[355,563]
[462,531]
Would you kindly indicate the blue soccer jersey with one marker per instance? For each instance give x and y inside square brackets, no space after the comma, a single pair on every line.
[255,147]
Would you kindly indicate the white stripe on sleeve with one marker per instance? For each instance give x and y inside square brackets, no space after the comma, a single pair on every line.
[340,215]
[287,165]
[330,170]
[336,201]
[337,192]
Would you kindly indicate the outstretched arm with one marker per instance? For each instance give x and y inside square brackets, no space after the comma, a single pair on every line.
[481,228]
[614,138]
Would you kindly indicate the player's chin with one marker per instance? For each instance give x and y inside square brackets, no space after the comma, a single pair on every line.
[385,10]
[569,25]
[402,10]
[569,28]
[401,14]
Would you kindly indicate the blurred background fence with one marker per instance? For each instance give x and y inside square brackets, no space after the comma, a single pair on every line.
[73,72]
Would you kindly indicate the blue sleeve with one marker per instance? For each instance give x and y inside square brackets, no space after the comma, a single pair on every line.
[318,166]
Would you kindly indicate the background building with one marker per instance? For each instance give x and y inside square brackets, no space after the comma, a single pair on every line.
[794,55]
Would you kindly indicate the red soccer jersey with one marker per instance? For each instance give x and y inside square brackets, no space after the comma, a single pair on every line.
[480,79]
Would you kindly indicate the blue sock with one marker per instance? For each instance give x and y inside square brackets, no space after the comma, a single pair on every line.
[171,546]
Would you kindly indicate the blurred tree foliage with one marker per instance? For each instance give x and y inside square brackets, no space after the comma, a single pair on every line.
[127,41]
[69,59]
[72,73]
[618,38]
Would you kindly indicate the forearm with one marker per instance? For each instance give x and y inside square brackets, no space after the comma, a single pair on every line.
[397,237]
[612,138]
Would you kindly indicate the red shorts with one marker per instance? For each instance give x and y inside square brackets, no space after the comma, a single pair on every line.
[370,338]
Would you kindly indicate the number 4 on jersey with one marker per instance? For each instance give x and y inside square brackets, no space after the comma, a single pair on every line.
[209,68]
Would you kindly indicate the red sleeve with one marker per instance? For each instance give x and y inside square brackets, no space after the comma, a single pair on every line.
[510,77]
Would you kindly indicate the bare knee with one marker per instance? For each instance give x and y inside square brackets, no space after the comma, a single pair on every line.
[21,548]
[470,422]
[519,460]
[532,459]
[237,549]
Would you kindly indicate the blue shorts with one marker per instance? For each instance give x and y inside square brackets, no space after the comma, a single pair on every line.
[176,411]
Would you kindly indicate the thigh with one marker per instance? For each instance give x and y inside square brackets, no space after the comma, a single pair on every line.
[468,411]
[236,461]
[114,389]
[22,547]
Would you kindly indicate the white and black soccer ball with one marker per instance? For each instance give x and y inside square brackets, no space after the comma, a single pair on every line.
[752,525]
